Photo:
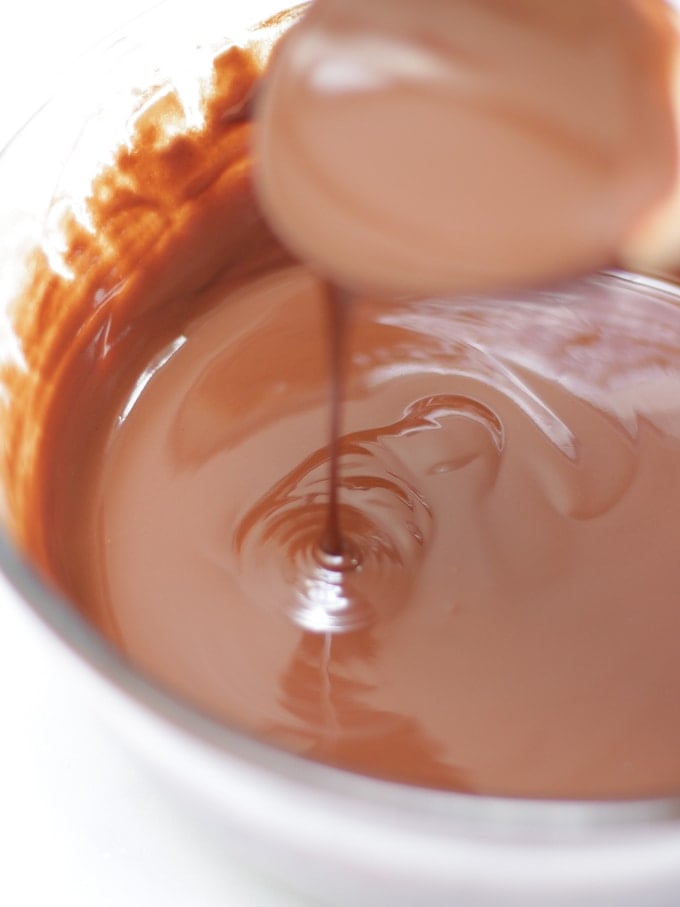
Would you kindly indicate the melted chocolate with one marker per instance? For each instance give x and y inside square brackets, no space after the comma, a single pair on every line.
[509,481]
[338,304]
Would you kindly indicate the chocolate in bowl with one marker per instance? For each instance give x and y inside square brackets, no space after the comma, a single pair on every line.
[340,836]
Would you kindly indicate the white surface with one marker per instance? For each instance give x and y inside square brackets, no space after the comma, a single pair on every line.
[78,823]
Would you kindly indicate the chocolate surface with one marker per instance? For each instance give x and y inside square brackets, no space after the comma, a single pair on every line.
[509,483]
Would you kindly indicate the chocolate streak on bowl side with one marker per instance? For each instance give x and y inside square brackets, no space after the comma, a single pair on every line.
[163,194]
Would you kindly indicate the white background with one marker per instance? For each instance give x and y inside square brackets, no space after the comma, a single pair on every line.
[78,824]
